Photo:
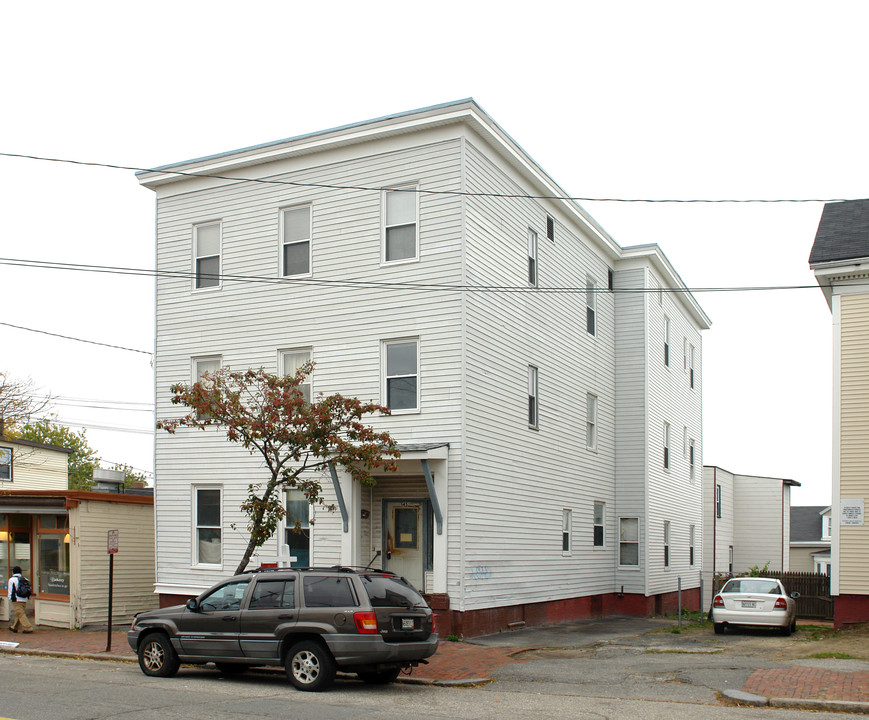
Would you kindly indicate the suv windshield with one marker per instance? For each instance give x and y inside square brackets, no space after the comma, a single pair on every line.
[391,591]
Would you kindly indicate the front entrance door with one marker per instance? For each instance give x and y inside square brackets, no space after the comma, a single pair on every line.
[406,534]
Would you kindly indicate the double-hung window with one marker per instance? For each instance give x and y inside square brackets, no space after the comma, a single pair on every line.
[206,251]
[566,520]
[667,342]
[532,258]
[6,463]
[718,501]
[666,446]
[691,464]
[598,522]
[533,403]
[550,228]
[291,361]
[591,422]
[691,545]
[401,375]
[691,366]
[202,365]
[400,225]
[590,306]
[629,541]
[666,543]
[208,527]
[296,241]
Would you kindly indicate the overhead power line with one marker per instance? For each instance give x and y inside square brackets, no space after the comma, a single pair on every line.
[69,337]
[374,284]
[422,191]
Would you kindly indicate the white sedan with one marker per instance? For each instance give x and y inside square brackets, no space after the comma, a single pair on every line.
[754,601]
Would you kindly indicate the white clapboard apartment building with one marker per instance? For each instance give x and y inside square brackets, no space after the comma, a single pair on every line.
[545,383]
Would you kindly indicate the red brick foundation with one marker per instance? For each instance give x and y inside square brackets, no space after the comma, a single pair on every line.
[492,620]
[850,609]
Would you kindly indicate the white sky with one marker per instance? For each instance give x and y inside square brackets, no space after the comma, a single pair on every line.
[613,99]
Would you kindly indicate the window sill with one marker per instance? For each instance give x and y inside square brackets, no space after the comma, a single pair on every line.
[409,411]
[405,261]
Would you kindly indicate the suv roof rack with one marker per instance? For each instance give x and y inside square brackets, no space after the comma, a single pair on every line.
[314,568]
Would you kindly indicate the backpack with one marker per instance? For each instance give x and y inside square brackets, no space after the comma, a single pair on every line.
[23,589]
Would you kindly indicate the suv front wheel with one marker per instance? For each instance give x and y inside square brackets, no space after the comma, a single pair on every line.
[310,666]
[157,657]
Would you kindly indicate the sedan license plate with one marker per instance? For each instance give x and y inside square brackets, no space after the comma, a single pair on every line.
[407,623]
[749,603]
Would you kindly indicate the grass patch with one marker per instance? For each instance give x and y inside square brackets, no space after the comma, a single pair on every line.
[453,638]
[833,655]
[811,633]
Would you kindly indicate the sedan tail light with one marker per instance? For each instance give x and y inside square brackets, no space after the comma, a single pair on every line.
[366,622]
[718,601]
[781,604]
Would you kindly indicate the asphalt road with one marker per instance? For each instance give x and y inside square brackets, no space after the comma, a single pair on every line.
[44,688]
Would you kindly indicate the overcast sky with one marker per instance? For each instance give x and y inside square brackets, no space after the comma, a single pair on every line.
[665,100]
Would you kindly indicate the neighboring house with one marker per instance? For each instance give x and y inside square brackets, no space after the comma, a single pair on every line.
[746,523]
[810,539]
[840,261]
[545,383]
[58,537]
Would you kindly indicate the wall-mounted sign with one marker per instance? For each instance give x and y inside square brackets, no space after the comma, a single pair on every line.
[851,511]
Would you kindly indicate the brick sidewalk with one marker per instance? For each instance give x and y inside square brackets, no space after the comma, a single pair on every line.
[806,682]
[453,662]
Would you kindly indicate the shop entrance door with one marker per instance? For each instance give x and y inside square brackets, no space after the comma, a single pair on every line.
[406,530]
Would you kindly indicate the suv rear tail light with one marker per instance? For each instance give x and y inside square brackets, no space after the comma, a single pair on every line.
[434,622]
[366,622]
[781,604]
[718,601]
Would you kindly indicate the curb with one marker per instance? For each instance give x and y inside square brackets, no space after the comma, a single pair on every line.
[744,699]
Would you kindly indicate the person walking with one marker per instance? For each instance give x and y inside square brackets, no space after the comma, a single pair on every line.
[19,605]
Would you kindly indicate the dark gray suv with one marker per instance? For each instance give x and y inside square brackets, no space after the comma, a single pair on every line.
[313,621]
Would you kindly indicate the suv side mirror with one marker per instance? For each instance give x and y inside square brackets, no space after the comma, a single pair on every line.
[795,595]
[193,605]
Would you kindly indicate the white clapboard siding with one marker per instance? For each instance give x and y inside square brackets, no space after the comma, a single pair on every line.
[133,573]
[36,467]
[760,505]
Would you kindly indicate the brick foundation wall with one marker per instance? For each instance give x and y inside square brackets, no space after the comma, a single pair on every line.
[849,609]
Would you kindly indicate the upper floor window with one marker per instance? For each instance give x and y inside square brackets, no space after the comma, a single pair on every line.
[691,464]
[718,501]
[666,446]
[667,342]
[566,521]
[629,541]
[296,241]
[532,258]
[590,304]
[206,251]
[691,545]
[591,421]
[826,527]
[691,365]
[401,374]
[5,463]
[598,522]
[291,361]
[208,526]
[202,365]
[533,404]
[400,225]
[550,227]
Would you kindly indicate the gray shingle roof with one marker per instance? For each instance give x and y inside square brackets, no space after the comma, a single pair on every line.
[843,233]
[806,523]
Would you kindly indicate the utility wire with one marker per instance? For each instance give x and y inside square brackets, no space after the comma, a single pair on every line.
[421,191]
[374,284]
[68,337]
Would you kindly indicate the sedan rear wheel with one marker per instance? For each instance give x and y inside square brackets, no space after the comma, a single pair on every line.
[157,657]
[310,666]
[719,628]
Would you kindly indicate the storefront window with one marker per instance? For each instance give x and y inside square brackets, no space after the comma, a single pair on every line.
[53,554]
[4,551]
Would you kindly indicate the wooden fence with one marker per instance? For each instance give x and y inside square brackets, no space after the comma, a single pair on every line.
[814,602]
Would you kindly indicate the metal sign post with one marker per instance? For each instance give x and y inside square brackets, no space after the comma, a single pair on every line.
[112,548]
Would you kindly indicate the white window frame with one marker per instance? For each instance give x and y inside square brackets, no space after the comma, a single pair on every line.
[590,306]
[532,258]
[566,532]
[285,550]
[666,342]
[630,541]
[591,421]
[596,524]
[196,257]
[196,526]
[7,456]
[691,545]
[692,380]
[826,527]
[405,189]
[196,360]
[284,354]
[533,408]
[282,243]
[667,558]
[667,455]
[718,500]
[385,378]
[692,458]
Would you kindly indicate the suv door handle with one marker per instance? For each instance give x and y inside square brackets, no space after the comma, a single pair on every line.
[229,618]
[286,617]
